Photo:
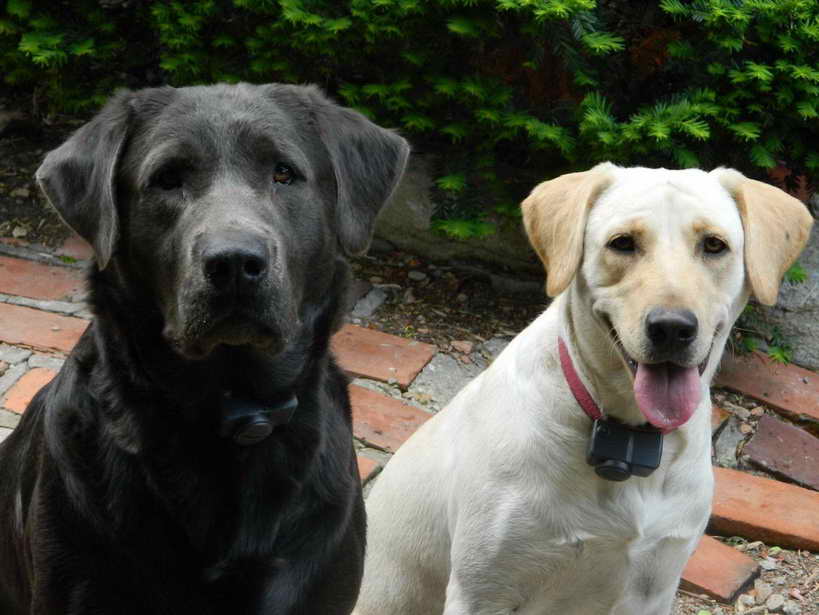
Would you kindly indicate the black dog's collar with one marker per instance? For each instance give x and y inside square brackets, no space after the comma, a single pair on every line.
[248,422]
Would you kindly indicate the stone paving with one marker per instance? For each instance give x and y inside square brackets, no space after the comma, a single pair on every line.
[399,383]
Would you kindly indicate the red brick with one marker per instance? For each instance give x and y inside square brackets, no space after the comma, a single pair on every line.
[25,326]
[379,356]
[76,247]
[718,417]
[20,394]
[765,509]
[790,389]
[785,451]
[718,570]
[29,279]
[382,421]
[366,467]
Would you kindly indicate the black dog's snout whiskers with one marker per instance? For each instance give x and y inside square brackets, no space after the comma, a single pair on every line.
[671,329]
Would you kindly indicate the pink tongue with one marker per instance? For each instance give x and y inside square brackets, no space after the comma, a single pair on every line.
[667,394]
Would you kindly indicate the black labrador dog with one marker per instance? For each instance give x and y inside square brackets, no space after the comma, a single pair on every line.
[194,454]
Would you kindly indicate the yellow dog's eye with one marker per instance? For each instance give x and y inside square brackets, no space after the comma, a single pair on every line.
[282,174]
[622,243]
[714,245]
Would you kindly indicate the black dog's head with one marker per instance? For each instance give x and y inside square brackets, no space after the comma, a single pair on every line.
[227,202]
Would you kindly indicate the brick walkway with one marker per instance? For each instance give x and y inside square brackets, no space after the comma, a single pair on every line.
[42,314]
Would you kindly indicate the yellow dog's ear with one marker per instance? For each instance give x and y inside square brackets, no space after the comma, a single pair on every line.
[776,227]
[554,216]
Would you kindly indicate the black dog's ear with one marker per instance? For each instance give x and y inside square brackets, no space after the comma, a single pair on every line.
[78,178]
[368,162]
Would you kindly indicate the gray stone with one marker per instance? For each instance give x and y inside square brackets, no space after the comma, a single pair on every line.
[21,193]
[11,376]
[417,276]
[13,354]
[493,347]
[4,433]
[791,607]
[796,313]
[763,591]
[406,223]
[775,602]
[47,361]
[9,419]
[369,303]
[725,447]
[62,307]
[442,378]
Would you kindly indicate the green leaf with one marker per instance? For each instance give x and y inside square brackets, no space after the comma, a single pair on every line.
[686,158]
[464,229]
[748,131]
[601,43]
[464,26]
[82,48]
[780,354]
[18,8]
[452,183]
[337,25]
[418,122]
[456,131]
[761,157]
[807,109]
[761,72]
[698,129]
[445,86]
[796,274]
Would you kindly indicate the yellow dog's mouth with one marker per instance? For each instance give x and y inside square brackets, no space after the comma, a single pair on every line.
[666,392]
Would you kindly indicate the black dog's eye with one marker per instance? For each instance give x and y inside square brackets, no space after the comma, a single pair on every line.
[283,174]
[714,245]
[168,178]
[622,243]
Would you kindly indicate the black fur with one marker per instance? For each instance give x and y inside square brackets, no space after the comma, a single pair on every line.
[117,494]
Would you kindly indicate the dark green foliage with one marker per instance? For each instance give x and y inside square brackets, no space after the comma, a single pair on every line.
[506,91]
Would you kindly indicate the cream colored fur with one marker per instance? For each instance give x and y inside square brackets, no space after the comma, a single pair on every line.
[490,508]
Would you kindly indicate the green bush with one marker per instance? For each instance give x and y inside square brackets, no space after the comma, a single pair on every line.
[505,91]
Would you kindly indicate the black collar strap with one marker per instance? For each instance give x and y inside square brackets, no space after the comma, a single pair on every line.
[248,422]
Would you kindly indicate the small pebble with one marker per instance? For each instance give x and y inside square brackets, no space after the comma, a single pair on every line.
[376,280]
[763,591]
[758,411]
[775,602]
[19,232]
[461,298]
[417,275]
[791,607]
[463,346]
[745,428]
[769,564]
[21,193]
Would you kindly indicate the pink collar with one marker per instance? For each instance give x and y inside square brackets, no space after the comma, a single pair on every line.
[580,392]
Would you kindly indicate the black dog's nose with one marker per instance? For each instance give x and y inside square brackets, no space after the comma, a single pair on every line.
[230,265]
[671,329]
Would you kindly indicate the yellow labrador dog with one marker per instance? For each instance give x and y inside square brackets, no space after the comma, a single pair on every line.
[514,499]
